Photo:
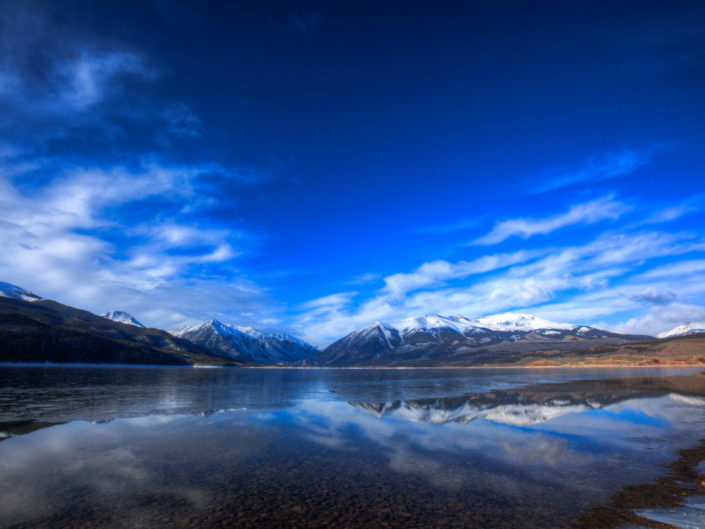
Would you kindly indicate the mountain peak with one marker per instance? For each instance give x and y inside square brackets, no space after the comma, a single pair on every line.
[434,339]
[435,322]
[246,343]
[682,330]
[201,325]
[516,321]
[377,324]
[122,317]
[12,291]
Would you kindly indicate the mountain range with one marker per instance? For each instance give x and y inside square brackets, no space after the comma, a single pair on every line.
[33,329]
[456,340]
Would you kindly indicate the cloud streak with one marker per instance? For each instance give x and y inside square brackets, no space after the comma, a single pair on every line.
[91,76]
[597,168]
[65,241]
[605,208]
[580,284]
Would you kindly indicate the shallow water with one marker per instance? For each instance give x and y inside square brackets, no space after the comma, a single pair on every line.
[144,447]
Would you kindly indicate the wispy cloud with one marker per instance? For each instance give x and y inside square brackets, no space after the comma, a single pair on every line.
[662,318]
[605,208]
[330,302]
[675,270]
[582,283]
[53,70]
[462,225]
[134,234]
[364,279]
[66,241]
[435,272]
[90,76]
[61,84]
[599,167]
[688,206]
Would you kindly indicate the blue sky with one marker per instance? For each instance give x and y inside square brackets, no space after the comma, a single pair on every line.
[317,166]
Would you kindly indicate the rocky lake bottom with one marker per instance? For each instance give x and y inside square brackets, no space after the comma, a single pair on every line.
[184,447]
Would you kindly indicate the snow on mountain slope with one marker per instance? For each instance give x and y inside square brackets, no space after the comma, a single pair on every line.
[122,317]
[518,414]
[11,291]
[246,343]
[514,321]
[458,324]
[378,331]
[683,330]
[433,339]
[506,322]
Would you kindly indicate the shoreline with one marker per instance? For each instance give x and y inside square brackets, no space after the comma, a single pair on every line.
[637,505]
[205,366]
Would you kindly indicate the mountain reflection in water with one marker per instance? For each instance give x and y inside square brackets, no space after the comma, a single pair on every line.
[318,461]
[536,404]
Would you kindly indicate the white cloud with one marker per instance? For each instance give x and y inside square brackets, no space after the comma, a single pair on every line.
[605,208]
[56,241]
[662,318]
[676,270]
[330,302]
[577,284]
[435,272]
[679,210]
[90,77]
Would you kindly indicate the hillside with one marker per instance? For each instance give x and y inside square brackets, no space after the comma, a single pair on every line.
[47,331]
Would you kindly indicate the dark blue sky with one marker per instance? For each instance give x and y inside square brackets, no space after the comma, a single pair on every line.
[319,166]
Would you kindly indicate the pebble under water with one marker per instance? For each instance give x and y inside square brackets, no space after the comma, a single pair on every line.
[91,447]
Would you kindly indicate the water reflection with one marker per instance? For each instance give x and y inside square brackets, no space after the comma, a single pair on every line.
[321,462]
[60,394]
[536,404]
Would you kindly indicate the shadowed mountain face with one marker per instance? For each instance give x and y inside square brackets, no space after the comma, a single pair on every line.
[246,344]
[538,403]
[440,340]
[47,331]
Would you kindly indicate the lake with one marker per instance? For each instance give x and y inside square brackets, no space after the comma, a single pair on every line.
[186,447]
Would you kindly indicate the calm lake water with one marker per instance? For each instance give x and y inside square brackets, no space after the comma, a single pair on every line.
[180,447]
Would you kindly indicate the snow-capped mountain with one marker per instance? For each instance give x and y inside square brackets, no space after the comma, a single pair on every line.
[122,317]
[434,322]
[36,330]
[247,344]
[514,321]
[11,291]
[683,330]
[434,339]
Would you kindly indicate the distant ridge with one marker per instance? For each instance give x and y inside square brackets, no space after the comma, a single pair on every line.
[451,340]
[683,330]
[34,329]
